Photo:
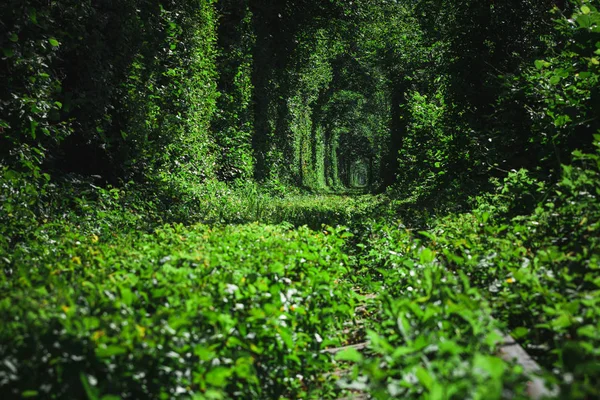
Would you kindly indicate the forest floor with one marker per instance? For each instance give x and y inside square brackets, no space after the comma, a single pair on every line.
[318,299]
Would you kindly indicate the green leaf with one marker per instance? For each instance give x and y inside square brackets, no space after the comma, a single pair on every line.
[424,377]
[33,16]
[588,331]
[519,332]
[494,366]
[540,64]
[428,235]
[287,338]
[8,52]
[277,268]
[584,21]
[450,347]
[210,394]
[402,351]
[427,256]
[109,351]
[218,376]
[203,353]
[92,393]
[563,321]
[126,296]
[32,127]
[585,9]
[29,393]
[53,42]
[563,73]
[350,354]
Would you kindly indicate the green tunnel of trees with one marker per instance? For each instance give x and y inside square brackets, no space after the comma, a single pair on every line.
[171,169]
[200,90]
[428,94]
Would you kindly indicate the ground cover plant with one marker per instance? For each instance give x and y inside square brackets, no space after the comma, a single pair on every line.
[447,292]
[200,311]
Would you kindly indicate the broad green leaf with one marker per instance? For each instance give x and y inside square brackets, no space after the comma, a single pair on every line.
[203,353]
[519,332]
[588,331]
[350,354]
[584,21]
[494,366]
[561,322]
[555,80]
[8,52]
[427,256]
[218,376]
[126,296]
[540,64]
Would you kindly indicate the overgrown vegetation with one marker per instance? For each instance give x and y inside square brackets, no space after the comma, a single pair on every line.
[206,199]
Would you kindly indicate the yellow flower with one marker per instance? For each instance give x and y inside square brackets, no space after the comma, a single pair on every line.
[141,331]
[95,238]
[511,280]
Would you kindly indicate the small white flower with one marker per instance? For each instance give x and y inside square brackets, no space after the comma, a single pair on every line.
[231,289]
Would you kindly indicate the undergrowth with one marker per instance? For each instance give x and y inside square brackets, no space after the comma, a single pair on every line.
[237,311]
[120,300]
[448,287]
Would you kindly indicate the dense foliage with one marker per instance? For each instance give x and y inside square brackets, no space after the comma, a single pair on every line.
[206,198]
[536,275]
[190,311]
